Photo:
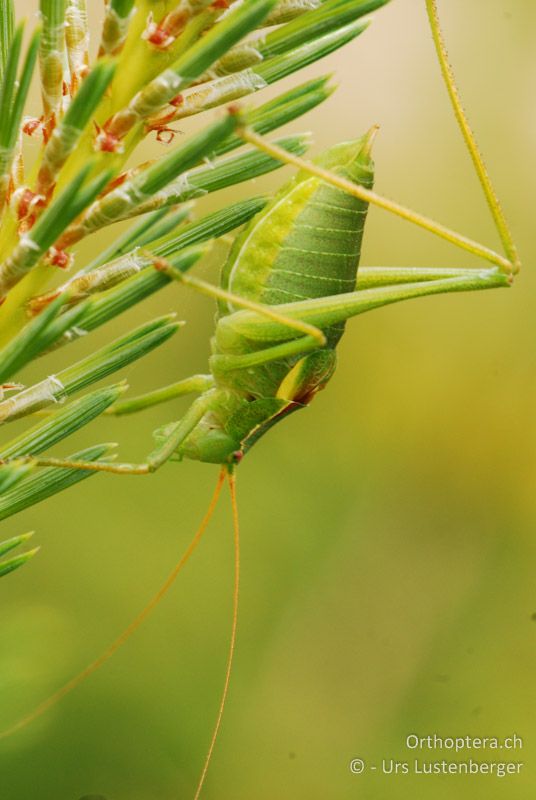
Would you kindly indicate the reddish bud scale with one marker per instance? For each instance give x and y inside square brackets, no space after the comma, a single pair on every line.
[32,125]
[49,123]
[45,184]
[163,34]
[77,78]
[10,189]
[27,205]
[37,304]
[106,141]
[71,236]
[115,129]
[59,258]
[11,387]
[117,182]
[159,38]
[124,176]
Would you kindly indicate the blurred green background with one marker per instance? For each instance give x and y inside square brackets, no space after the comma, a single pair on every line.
[388,531]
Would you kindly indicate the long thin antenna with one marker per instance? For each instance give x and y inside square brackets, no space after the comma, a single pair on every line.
[232,644]
[127,633]
[469,137]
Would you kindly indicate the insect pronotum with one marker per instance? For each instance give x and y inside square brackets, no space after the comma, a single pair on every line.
[287,289]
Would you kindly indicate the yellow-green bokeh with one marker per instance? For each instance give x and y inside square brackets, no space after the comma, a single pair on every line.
[388,531]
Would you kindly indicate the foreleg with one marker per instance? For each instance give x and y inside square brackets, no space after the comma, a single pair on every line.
[159,455]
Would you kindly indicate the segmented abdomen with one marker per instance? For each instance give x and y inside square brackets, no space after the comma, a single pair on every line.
[320,255]
[306,243]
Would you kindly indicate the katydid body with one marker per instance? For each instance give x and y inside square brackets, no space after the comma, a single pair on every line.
[306,244]
[300,254]
[295,270]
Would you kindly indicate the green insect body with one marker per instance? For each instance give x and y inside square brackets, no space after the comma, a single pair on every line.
[305,244]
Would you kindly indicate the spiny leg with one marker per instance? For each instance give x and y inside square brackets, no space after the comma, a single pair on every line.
[314,337]
[270,312]
[373,277]
[385,285]
[159,455]
[228,363]
[326,311]
[130,629]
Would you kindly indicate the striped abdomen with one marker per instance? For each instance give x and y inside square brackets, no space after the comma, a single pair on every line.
[306,243]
